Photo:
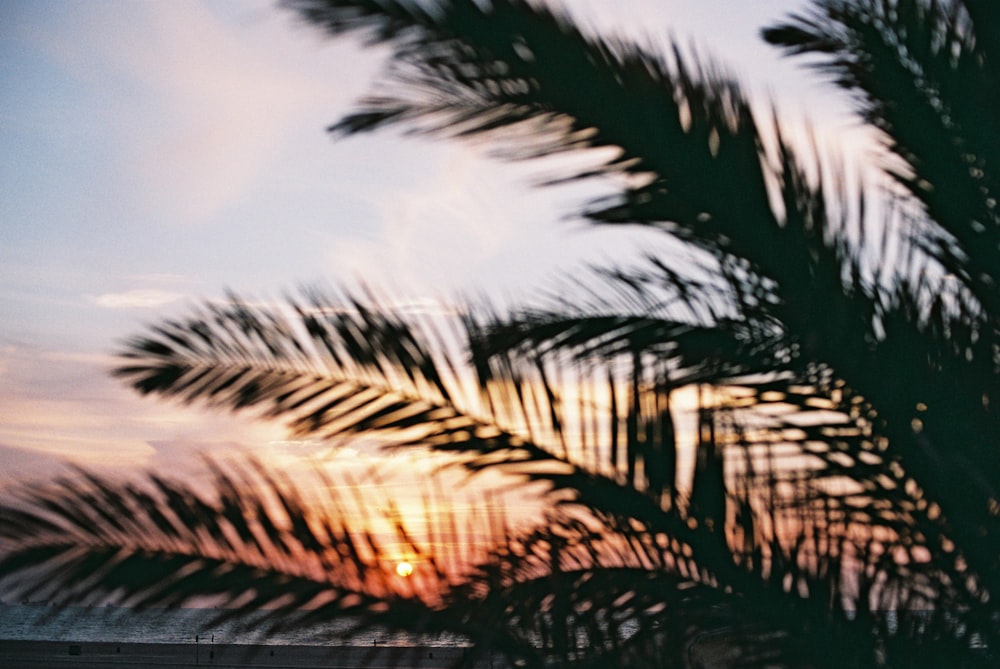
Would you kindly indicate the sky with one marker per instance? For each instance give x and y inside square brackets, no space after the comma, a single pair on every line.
[153,154]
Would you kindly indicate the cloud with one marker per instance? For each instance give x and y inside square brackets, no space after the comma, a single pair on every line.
[225,110]
[452,211]
[163,278]
[139,298]
[19,465]
[195,106]
[61,405]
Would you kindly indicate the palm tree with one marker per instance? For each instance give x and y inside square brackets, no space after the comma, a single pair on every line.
[844,506]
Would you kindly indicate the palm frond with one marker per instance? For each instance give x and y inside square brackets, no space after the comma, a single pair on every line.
[563,592]
[925,75]
[831,436]
[467,68]
[338,371]
[625,465]
[257,545]
[845,457]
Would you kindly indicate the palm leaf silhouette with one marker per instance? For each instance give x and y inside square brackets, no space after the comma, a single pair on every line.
[842,504]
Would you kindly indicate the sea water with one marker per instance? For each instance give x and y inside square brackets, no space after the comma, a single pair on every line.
[114,624]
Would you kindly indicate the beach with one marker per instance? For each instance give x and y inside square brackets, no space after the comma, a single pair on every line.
[95,655]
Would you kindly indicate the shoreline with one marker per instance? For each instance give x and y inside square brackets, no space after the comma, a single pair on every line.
[24,654]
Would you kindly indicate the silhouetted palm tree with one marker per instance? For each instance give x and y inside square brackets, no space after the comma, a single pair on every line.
[844,506]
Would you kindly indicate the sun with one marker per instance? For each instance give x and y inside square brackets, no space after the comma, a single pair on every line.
[404,569]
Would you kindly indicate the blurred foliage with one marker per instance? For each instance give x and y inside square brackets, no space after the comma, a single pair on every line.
[838,336]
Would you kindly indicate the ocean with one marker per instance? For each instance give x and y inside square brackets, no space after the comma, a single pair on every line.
[113,624]
[195,626]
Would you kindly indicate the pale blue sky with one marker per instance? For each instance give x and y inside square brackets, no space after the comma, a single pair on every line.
[156,152]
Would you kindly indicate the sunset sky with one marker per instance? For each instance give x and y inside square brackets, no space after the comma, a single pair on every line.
[156,153]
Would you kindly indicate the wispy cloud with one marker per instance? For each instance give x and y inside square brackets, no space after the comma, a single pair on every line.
[139,298]
[199,105]
[62,405]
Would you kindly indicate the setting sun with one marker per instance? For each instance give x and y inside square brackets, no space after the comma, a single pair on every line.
[404,569]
